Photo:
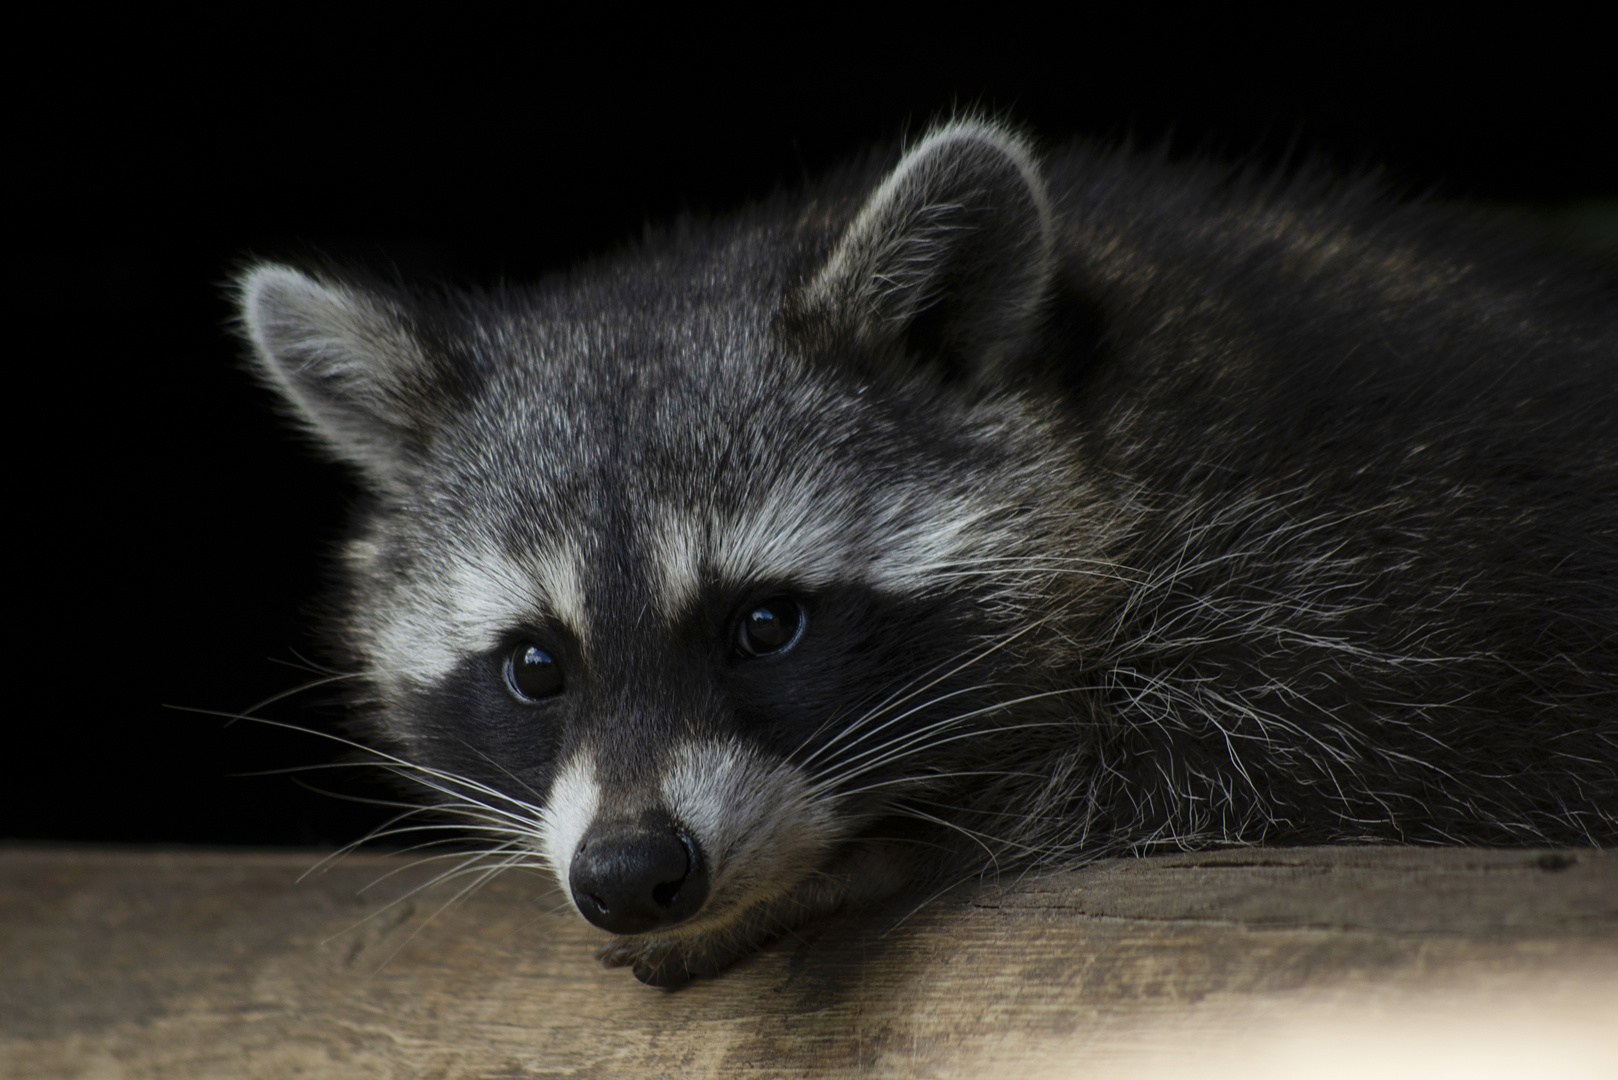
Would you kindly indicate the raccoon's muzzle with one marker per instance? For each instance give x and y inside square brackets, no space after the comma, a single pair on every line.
[632,877]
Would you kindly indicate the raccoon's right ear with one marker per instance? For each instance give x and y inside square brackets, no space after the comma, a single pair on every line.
[343,359]
[952,254]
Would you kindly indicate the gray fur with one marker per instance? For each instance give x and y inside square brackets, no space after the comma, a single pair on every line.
[964,213]
[1131,506]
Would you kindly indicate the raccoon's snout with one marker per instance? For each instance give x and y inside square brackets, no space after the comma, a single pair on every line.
[631,877]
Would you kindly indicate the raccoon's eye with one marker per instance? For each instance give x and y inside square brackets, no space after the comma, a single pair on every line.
[772,626]
[532,673]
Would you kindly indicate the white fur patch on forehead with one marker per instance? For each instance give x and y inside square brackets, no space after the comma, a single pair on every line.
[799,533]
[757,823]
[919,542]
[575,797]
[676,540]
[472,602]
[791,535]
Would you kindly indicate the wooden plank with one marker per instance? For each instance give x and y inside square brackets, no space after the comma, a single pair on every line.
[191,964]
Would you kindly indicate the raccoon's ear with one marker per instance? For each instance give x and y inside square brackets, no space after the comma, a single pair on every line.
[953,252]
[343,359]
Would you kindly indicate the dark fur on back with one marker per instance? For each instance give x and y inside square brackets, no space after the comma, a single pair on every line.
[1379,444]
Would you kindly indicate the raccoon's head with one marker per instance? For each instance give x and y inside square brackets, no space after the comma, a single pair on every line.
[686,570]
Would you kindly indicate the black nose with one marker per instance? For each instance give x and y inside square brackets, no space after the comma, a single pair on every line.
[631,877]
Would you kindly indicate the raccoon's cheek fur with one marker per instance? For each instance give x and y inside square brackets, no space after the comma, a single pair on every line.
[689,866]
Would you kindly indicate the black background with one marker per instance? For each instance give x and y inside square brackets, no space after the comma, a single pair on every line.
[172,532]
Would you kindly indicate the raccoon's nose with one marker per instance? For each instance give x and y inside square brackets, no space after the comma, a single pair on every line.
[631,877]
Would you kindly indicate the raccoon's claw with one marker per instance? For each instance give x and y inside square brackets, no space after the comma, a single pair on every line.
[653,965]
[616,953]
[667,964]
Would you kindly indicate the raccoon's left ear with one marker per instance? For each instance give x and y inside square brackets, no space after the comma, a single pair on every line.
[953,253]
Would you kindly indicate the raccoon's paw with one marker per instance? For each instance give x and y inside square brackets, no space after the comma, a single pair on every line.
[617,953]
[869,873]
[655,963]
[672,964]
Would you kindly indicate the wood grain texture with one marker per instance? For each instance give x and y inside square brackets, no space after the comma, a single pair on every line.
[188,964]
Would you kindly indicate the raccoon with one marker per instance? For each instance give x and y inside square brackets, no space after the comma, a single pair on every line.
[968,512]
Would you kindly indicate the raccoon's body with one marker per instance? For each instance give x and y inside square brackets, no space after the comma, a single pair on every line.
[978,513]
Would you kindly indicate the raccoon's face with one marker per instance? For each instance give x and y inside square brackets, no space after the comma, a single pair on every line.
[684,574]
